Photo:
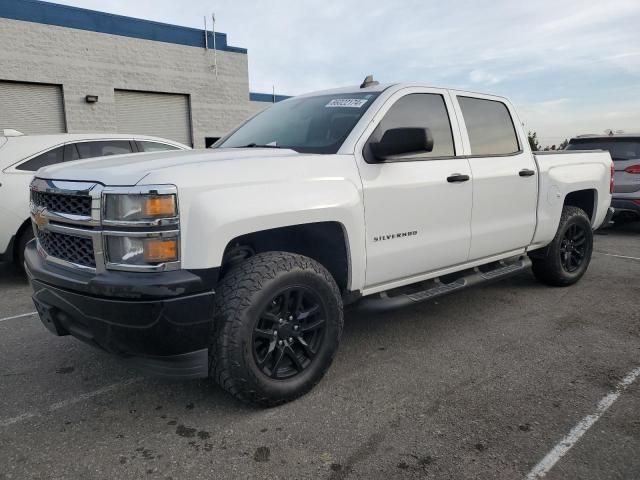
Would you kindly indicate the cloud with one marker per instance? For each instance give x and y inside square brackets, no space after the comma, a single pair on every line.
[533,52]
[480,76]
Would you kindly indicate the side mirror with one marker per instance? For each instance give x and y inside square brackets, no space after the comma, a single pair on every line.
[398,141]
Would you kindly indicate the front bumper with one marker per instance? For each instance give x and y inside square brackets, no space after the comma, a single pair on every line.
[160,321]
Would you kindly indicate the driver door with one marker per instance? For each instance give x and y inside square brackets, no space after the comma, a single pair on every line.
[417,206]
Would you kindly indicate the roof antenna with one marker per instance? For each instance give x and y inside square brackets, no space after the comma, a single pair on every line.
[215,50]
[369,82]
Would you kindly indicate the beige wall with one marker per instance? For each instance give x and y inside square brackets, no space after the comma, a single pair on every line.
[85,62]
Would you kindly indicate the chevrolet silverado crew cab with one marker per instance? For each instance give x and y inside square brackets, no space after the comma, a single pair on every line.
[235,262]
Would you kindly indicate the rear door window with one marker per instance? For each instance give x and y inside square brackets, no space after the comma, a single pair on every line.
[144,146]
[71,152]
[103,147]
[489,126]
[44,159]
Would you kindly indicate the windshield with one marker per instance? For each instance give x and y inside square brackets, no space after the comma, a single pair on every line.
[619,148]
[309,124]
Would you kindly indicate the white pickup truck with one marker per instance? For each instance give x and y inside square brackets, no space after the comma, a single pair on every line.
[235,262]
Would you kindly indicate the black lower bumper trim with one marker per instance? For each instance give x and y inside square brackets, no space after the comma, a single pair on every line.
[131,328]
[186,366]
[624,206]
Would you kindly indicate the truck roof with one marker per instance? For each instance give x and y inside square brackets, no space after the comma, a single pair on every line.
[377,88]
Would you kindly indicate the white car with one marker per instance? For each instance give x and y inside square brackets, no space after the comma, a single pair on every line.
[22,155]
[235,262]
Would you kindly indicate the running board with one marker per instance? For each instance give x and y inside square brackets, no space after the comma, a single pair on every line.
[437,287]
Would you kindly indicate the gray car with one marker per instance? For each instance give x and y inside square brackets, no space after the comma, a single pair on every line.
[625,152]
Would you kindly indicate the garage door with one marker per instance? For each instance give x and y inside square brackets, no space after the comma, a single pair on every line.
[31,107]
[161,114]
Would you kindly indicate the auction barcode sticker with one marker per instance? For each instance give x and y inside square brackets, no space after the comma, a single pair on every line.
[346,103]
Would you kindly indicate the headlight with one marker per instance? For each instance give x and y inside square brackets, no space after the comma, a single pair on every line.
[139,208]
[140,251]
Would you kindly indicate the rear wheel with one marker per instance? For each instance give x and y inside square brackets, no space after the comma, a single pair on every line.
[565,260]
[278,323]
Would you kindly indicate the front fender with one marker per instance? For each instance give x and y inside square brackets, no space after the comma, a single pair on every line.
[214,217]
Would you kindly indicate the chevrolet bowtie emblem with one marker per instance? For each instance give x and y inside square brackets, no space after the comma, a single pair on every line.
[40,218]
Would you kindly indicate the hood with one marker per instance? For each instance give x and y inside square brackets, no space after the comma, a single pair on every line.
[126,170]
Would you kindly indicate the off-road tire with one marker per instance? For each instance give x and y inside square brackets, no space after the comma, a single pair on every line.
[547,262]
[240,298]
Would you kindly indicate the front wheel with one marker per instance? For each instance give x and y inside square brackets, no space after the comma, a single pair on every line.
[565,260]
[277,326]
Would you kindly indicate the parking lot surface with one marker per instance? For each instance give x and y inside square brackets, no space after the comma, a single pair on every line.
[479,384]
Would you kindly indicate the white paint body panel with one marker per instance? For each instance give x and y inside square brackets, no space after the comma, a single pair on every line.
[226,193]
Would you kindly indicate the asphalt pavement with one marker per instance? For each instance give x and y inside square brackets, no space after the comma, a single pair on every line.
[479,384]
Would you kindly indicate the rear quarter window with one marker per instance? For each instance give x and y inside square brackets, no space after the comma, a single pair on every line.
[43,160]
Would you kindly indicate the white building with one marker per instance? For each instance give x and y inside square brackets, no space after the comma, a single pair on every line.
[67,69]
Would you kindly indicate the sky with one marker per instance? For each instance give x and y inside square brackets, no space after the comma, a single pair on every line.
[569,66]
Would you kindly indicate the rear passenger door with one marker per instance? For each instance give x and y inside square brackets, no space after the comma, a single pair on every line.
[417,207]
[505,184]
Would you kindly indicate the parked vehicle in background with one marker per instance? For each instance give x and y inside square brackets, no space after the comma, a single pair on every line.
[22,155]
[625,152]
[235,262]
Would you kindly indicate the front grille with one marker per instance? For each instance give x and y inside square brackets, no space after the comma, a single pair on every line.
[78,250]
[54,202]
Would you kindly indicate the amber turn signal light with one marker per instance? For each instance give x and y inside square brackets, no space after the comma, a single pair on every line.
[160,250]
[160,206]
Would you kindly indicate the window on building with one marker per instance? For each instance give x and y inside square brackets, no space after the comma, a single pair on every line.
[44,159]
[489,125]
[103,147]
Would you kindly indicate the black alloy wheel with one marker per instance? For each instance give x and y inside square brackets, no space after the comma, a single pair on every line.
[566,259]
[289,333]
[573,248]
[277,325]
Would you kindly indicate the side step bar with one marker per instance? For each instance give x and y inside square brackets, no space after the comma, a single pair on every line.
[437,287]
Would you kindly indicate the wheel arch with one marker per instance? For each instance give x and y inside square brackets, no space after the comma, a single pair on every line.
[586,200]
[326,242]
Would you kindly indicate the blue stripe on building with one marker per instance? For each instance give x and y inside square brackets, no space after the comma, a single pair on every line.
[80,18]
[266,97]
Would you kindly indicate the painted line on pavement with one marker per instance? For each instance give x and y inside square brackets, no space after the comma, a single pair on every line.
[618,256]
[18,316]
[567,443]
[5,422]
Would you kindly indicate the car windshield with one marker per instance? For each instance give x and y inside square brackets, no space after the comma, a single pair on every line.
[316,124]
[619,148]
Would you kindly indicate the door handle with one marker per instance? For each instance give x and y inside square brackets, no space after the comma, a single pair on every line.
[526,172]
[457,178]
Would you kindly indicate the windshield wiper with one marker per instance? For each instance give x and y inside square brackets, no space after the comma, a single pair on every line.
[255,145]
